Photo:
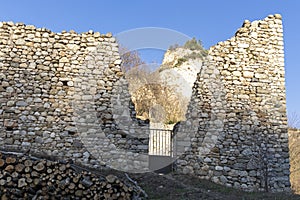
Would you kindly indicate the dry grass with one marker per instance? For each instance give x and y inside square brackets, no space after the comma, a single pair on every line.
[294,145]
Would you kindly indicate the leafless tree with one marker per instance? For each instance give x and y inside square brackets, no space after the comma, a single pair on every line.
[147,89]
[130,59]
[294,120]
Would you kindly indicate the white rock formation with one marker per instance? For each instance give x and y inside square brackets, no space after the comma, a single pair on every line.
[179,71]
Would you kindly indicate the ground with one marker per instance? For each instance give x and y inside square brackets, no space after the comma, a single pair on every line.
[185,187]
[175,186]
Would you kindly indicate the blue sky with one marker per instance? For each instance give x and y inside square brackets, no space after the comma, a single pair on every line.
[209,20]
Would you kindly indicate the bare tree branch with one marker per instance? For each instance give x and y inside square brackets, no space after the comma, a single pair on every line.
[294,120]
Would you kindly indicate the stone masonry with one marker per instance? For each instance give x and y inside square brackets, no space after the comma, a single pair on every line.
[236,129]
[63,94]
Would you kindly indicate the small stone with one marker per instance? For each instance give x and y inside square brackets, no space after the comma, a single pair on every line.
[77,155]
[37,100]
[70,83]
[50,119]
[260,76]
[87,97]
[46,105]
[48,140]
[97,34]
[236,185]
[23,65]
[73,47]
[72,129]
[78,144]
[9,141]
[247,23]
[254,34]
[39,140]
[223,179]
[20,42]
[21,103]
[118,62]
[64,60]
[248,74]
[188,170]
[26,144]
[243,45]
[108,34]
[10,103]
[204,115]
[58,45]
[243,173]
[247,152]
[9,123]
[243,96]
[10,89]
[143,147]
[215,180]
[236,73]
[244,186]
[278,16]
[227,169]
[86,154]
[91,49]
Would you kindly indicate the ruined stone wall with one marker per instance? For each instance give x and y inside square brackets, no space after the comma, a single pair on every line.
[236,129]
[63,94]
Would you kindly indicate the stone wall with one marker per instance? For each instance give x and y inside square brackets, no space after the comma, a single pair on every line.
[63,94]
[236,129]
